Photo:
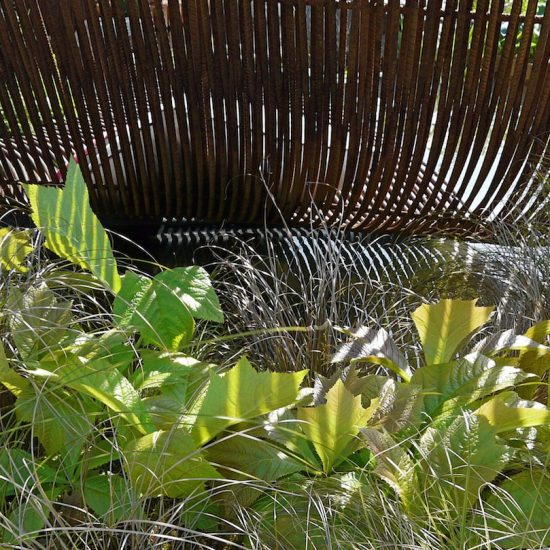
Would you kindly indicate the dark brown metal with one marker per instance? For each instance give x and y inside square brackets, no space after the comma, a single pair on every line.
[382,115]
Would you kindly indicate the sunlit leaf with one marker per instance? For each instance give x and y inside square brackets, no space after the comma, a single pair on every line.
[333,426]
[469,379]
[445,325]
[505,412]
[15,246]
[71,229]
[193,287]
[152,309]
[11,380]
[242,393]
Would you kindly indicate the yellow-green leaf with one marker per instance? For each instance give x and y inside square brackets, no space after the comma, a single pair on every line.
[445,325]
[71,229]
[15,246]
[8,377]
[501,413]
[240,394]
[332,427]
[167,463]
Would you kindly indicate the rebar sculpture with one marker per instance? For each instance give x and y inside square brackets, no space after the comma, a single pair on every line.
[379,115]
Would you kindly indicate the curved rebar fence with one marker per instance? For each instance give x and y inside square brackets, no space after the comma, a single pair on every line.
[374,115]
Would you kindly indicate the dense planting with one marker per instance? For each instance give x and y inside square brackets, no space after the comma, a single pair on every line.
[110,420]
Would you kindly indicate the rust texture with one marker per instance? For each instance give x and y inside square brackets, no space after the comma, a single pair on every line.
[393,115]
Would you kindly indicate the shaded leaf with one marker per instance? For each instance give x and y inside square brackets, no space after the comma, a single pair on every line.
[393,464]
[38,321]
[240,394]
[445,325]
[375,346]
[60,421]
[521,508]
[458,459]
[167,463]
[240,457]
[71,229]
[107,496]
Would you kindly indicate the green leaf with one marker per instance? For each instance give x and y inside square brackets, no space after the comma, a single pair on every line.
[334,426]
[59,420]
[167,463]
[164,369]
[518,512]
[506,341]
[107,496]
[71,229]
[98,379]
[193,287]
[154,311]
[241,456]
[466,380]
[458,459]
[20,471]
[505,412]
[38,321]
[15,246]
[242,394]
[374,346]
[12,381]
[445,325]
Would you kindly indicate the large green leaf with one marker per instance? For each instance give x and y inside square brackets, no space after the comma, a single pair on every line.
[14,382]
[240,394]
[464,381]
[193,287]
[374,346]
[107,496]
[15,246]
[518,512]
[457,460]
[167,463]
[154,310]
[241,456]
[99,379]
[38,320]
[71,229]
[59,420]
[506,412]
[332,427]
[445,325]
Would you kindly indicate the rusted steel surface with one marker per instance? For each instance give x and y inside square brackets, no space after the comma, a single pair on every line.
[382,115]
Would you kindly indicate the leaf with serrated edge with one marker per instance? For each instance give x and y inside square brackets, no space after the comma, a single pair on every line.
[445,325]
[71,229]
[193,287]
[333,426]
[240,394]
[167,463]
